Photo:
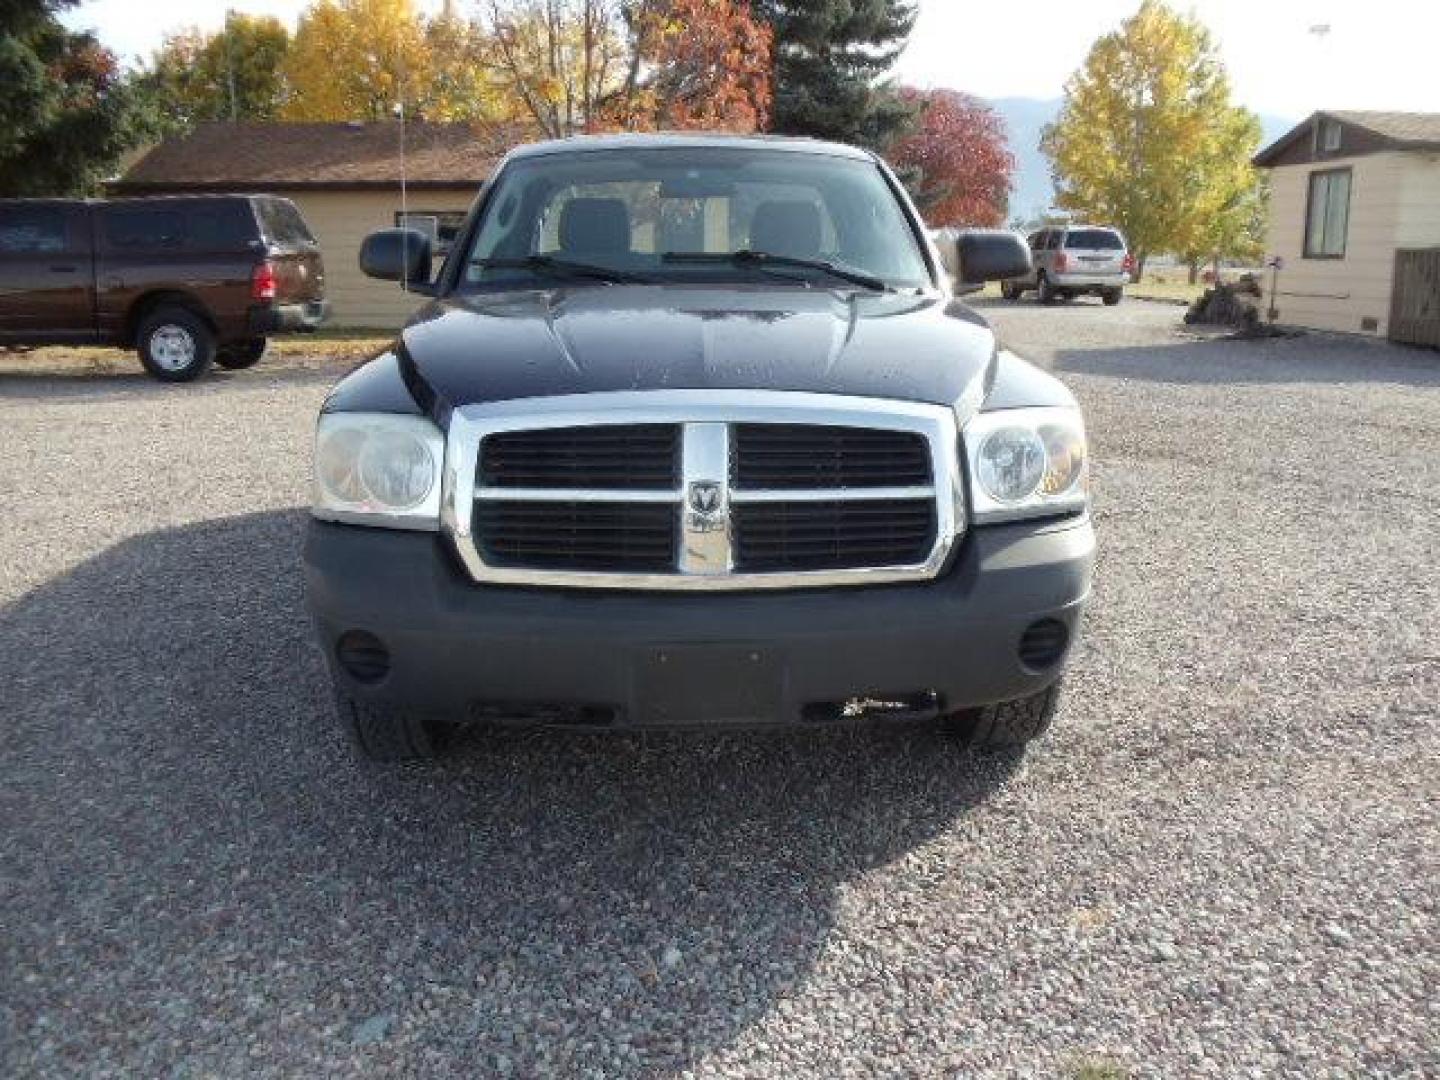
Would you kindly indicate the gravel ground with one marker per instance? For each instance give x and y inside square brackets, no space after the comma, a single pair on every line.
[1222,862]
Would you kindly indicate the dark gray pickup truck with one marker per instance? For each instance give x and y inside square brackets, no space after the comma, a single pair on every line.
[694,432]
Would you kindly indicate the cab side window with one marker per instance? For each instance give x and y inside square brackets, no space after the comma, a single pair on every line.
[29,230]
[143,229]
[221,227]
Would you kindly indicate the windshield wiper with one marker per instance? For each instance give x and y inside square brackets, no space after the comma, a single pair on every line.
[548,264]
[765,259]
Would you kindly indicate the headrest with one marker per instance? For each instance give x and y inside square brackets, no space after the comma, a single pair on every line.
[788,227]
[595,225]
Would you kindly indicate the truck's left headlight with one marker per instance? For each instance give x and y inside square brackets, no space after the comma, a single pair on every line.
[1026,463]
[378,469]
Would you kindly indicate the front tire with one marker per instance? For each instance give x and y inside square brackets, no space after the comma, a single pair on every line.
[243,355]
[385,733]
[175,344]
[1007,724]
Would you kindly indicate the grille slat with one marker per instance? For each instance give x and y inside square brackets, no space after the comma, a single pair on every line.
[789,456]
[625,457]
[781,536]
[638,537]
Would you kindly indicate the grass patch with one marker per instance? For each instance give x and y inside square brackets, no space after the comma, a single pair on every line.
[1099,1069]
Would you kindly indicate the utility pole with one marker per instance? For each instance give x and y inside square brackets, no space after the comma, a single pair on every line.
[230,66]
[404,202]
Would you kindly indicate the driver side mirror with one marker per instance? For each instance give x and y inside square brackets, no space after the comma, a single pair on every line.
[982,255]
[401,255]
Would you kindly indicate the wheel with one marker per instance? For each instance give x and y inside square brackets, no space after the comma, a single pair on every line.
[1112,296]
[175,344]
[1044,291]
[384,733]
[1009,291]
[1006,723]
[245,354]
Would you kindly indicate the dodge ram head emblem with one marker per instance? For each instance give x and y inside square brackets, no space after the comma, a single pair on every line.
[704,496]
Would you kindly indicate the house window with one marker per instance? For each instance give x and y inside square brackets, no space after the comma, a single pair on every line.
[1327,214]
[442,226]
[1328,136]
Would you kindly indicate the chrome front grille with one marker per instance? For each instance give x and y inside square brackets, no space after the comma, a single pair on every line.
[690,489]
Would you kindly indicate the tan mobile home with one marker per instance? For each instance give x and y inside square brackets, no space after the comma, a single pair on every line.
[1355,221]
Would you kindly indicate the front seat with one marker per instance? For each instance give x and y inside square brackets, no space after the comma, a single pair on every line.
[595,227]
[786,227]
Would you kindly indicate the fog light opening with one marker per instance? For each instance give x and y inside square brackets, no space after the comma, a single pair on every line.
[1043,643]
[363,656]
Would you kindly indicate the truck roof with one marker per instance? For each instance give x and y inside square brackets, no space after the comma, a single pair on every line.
[708,140]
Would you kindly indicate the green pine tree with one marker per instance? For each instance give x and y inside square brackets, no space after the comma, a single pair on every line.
[67,112]
[830,56]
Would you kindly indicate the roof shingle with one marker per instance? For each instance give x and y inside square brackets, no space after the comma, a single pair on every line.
[216,155]
[1400,126]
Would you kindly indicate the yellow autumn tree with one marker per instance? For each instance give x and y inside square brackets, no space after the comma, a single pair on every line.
[358,59]
[1147,138]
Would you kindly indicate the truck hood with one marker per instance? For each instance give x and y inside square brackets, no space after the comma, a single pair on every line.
[499,346]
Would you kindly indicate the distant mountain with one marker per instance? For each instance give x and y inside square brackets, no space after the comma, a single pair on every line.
[1025,119]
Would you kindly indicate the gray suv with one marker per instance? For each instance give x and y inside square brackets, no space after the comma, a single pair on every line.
[1074,261]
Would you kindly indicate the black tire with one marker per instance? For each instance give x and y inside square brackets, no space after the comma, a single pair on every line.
[175,344]
[1044,291]
[242,355]
[384,733]
[1007,723]
[1112,296]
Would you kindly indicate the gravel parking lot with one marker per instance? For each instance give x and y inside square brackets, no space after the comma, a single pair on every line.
[1223,861]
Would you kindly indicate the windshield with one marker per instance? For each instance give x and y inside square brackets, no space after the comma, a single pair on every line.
[683,214]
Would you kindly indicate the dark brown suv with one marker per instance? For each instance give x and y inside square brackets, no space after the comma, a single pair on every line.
[184,280]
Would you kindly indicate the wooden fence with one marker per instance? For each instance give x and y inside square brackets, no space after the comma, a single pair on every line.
[1415,297]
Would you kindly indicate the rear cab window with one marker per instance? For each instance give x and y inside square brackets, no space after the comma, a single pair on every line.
[282,223]
[1094,240]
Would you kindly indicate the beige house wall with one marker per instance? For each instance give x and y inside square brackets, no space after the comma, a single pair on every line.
[1394,203]
[340,220]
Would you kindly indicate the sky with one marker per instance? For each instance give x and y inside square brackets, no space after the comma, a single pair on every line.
[1378,54]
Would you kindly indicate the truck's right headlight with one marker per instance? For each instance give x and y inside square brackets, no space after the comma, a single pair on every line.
[1026,463]
[378,469]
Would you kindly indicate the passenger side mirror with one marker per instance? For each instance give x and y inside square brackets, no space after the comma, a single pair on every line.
[401,255]
[983,255]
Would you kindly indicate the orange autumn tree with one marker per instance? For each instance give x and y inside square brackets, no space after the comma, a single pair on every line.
[694,64]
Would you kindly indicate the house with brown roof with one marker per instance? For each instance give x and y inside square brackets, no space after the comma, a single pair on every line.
[1355,220]
[345,178]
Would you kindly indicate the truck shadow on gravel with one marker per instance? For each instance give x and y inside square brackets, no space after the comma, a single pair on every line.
[1310,358]
[197,868]
[82,382]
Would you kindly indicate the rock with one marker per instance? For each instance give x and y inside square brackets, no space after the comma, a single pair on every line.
[375,1029]
[1337,934]
[671,957]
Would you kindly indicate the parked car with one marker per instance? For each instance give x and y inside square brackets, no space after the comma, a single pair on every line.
[1075,261]
[693,432]
[184,280]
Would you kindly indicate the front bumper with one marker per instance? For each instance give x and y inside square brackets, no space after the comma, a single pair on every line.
[278,318]
[680,659]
